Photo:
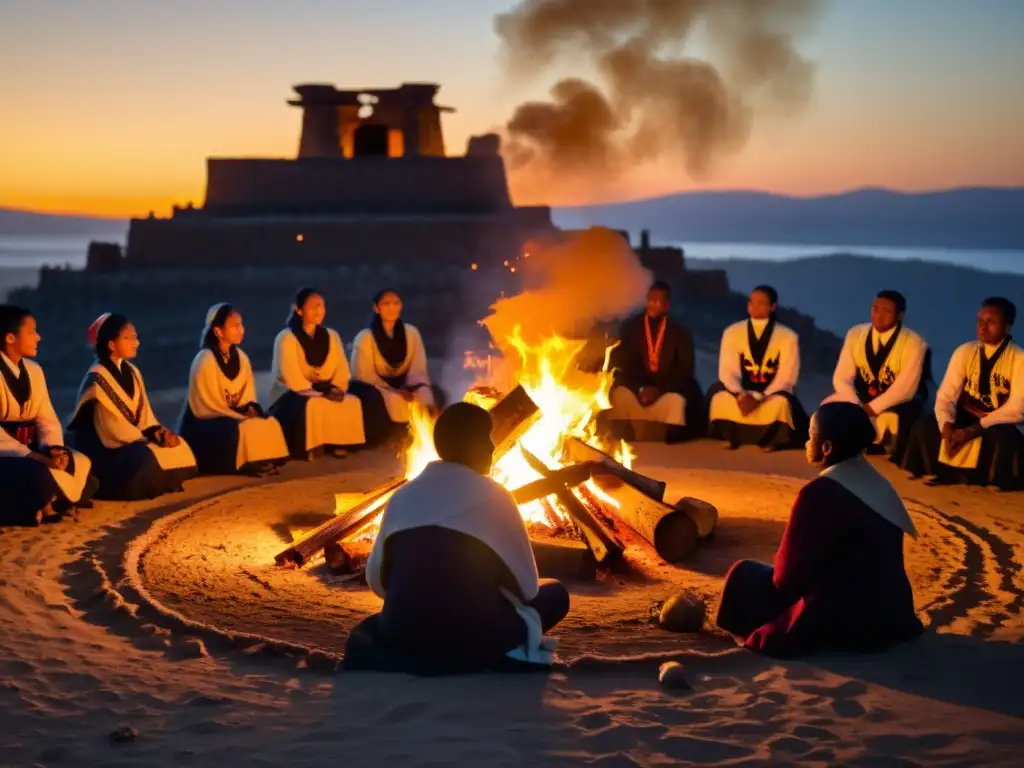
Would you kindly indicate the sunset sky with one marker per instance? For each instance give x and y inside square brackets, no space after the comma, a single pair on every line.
[110,107]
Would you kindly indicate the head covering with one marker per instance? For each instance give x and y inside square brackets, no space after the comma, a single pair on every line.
[315,348]
[93,333]
[216,316]
[393,348]
[105,329]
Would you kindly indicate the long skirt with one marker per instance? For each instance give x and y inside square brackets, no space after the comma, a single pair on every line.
[996,458]
[680,416]
[136,471]
[224,445]
[778,422]
[313,422]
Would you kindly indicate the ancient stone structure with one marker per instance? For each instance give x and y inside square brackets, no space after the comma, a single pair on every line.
[371,182]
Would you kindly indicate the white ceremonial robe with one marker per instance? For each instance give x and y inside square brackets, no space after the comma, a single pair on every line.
[116,430]
[781,364]
[38,410]
[1006,385]
[899,375]
[213,395]
[327,422]
[369,366]
[669,408]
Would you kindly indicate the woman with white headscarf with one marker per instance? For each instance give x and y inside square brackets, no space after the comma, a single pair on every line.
[222,419]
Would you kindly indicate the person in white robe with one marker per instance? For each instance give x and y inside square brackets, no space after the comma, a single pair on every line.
[976,434]
[885,367]
[313,396]
[39,475]
[754,400]
[390,357]
[222,419]
[453,564]
[133,455]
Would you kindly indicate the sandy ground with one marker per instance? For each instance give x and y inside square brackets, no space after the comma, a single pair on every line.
[167,617]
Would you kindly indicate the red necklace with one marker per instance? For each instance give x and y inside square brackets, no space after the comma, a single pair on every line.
[654,346]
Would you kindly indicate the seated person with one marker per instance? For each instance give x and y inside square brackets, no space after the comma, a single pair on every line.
[222,419]
[133,455]
[839,581]
[753,402]
[39,476]
[311,395]
[655,395]
[390,357]
[454,566]
[884,366]
[975,436]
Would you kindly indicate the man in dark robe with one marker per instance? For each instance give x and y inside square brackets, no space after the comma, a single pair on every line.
[976,434]
[655,394]
[839,581]
[455,568]
[886,367]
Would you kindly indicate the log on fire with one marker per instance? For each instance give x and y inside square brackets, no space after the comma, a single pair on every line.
[671,531]
[345,524]
[511,418]
[564,559]
[555,481]
[576,451]
[605,545]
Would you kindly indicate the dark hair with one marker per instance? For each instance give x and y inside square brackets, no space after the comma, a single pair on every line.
[221,317]
[109,331]
[382,293]
[896,298]
[459,430]
[661,285]
[847,427]
[301,297]
[767,290]
[11,318]
[1005,307]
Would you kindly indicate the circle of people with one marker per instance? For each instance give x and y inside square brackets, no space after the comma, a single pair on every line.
[322,402]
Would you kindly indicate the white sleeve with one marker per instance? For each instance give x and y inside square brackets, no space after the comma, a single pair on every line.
[845,376]
[729,364]
[1012,411]
[342,373]
[418,371]
[906,384]
[286,364]
[789,367]
[952,385]
[11,448]
[113,429]
[363,368]
[50,431]
[249,395]
[205,398]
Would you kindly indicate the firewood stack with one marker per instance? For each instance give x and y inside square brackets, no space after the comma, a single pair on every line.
[592,490]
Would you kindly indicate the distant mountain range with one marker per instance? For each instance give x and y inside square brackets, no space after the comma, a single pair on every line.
[979,218]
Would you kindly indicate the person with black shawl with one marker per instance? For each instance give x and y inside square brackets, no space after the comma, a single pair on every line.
[39,476]
[885,366]
[312,395]
[222,419]
[976,435]
[133,455]
[655,395]
[390,356]
[754,400]
[839,581]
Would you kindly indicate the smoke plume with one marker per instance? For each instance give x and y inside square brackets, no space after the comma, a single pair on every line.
[655,101]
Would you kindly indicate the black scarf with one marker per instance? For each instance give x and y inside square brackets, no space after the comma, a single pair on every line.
[230,367]
[877,359]
[392,348]
[122,375]
[759,346]
[987,364]
[20,385]
[315,348]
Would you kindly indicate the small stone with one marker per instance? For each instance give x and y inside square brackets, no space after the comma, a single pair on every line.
[124,733]
[683,613]
[672,675]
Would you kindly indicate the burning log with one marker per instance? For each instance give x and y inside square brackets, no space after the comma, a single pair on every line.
[672,532]
[339,527]
[512,417]
[577,451]
[555,481]
[564,559]
[346,557]
[704,515]
[602,540]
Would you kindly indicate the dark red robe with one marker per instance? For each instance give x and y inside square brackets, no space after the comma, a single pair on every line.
[838,583]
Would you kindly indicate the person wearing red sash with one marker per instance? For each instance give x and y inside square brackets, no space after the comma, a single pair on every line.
[655,395]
